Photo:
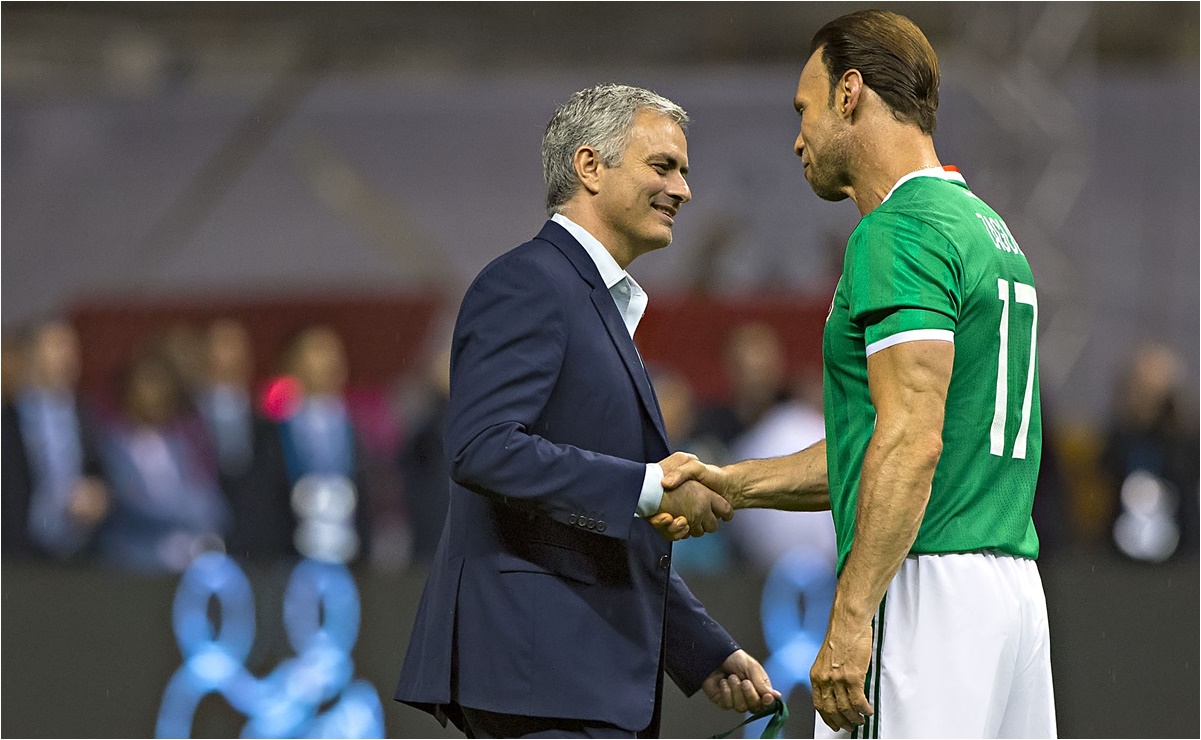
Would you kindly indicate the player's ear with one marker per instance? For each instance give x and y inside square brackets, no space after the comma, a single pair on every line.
[846,95]
[588,166]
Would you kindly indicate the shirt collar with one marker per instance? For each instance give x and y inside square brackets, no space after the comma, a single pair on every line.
[943,173]
[610,272]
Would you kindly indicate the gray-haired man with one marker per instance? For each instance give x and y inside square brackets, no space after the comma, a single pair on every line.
[551,607]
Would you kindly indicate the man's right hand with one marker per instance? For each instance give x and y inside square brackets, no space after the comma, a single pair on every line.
[697,504]
[719,480]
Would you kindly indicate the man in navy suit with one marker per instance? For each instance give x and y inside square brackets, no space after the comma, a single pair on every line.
[551,608]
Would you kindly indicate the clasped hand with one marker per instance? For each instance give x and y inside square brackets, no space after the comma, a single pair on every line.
[690,507]
[741,684]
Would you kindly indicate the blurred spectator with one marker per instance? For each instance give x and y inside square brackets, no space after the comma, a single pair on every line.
[55,491]
[764,536]
[223,399]
[1151,457]
[15,486]
[168,507]
[754,364]
[423,466]
[711,554]
[184,349]
[242,442]
[322,471]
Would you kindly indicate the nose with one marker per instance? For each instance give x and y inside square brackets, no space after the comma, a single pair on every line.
[798,146]
[677,188]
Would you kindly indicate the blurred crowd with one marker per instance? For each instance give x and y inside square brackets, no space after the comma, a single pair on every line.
[188,456]
[190,453]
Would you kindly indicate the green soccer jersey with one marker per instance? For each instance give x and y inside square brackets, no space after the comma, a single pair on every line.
[933,261]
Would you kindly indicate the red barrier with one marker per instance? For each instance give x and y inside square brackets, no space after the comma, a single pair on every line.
[386,336]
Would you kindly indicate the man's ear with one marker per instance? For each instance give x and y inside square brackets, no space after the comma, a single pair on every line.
[846,97]
[588,167]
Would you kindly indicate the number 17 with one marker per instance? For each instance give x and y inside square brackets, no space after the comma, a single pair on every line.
[1025,295]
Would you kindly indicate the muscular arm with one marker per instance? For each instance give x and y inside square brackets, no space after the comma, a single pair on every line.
[795,482]
[908,384]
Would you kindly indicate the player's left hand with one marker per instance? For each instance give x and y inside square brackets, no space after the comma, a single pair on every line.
[837,677]
[740,683]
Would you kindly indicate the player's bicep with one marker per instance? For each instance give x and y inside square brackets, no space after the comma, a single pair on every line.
[908,383]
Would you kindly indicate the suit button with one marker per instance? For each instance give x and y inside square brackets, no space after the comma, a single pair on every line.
[600,526]
[591,524]
[665,561]
[583,522]
[571,519]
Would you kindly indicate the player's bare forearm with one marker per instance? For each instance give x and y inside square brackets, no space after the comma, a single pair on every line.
[893,493]
[908,385]
[796,482]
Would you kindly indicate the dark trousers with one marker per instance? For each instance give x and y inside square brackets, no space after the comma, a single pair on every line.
[481,724]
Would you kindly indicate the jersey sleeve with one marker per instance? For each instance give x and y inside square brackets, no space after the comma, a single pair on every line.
[905,282]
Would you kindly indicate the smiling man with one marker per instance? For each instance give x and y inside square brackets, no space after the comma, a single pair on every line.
[551,608]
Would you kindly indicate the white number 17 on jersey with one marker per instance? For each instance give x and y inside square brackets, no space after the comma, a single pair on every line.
[1023,294]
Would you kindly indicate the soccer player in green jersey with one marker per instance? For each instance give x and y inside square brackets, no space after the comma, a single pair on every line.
[939,625]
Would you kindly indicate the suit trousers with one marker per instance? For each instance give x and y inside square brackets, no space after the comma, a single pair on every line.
[480,724]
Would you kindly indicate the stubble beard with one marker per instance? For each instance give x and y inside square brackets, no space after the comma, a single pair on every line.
[831,179]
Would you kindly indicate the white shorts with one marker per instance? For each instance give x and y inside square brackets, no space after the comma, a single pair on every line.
[964,652]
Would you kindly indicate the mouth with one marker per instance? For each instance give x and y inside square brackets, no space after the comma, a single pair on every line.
[669,212]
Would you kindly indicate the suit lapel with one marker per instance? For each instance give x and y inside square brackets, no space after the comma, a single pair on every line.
[602,300]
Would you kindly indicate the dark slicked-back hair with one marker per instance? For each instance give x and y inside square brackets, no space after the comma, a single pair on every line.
[893,56]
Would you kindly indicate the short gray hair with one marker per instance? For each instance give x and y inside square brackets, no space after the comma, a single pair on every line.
[599,117]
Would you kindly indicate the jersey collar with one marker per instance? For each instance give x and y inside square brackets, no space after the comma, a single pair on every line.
[946,172]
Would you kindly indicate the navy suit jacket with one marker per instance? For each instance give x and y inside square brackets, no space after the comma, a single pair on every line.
[547,596]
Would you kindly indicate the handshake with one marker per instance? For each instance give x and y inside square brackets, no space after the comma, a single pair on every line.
[695,496]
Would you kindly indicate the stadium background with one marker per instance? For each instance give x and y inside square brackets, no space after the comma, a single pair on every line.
[357,164]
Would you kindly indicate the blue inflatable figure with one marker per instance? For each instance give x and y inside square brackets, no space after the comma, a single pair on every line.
[321,619]
[795,611]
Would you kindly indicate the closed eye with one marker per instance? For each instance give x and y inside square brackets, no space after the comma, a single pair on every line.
[666,164]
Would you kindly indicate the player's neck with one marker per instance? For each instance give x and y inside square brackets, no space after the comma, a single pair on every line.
[888,157]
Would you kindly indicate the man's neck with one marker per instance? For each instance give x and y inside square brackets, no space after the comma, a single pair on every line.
[587,219]
[896,152]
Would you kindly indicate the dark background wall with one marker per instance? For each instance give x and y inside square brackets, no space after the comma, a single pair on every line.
[88,654]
